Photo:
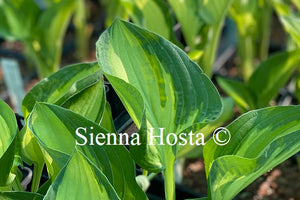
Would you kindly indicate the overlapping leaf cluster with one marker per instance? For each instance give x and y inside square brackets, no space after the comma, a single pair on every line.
[160,87]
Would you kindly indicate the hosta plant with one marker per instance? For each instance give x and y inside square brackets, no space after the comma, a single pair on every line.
[265,82]
[40,26]
[290,17]
[68,118]
[154,15]
[203,36]
[253,23]
[201,39]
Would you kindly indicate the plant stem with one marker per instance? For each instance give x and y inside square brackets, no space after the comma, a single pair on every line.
[83,31]
[37,173]
[169,179]
[44,66]
[265,27]
[210,49]
[151,176]
[247,55]
[17,185]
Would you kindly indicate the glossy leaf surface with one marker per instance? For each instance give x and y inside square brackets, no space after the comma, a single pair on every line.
[159,86]
[20,195]
[9,130]
[151,14]
[272,75]
[260,140]
[68,82]
[239,91]
[289,19]
[80,179]
[194,151]
[265,83]
[78,87]
[55,129]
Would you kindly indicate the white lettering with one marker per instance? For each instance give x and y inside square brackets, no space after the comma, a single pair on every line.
[100,136]
[108,135]
[123,141]
[174,141]
[200,141]
[191,134]
[81,136]
[182,137]
[135,139]
[160,136]
[156,137]
[91,137]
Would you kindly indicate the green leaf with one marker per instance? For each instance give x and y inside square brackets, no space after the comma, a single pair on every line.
[50,26]
[240,92]
[78,87]
[201,13]
[54,19]
[187,12]
[37,25]
[204,34]
[273,74]
[252,19]
[151,14]
[80,179]
[298,85]
[89,103]
[107,119]
[20,195]
[244,14]
[290,24]
[260,140]
[69,82]
[4,28]
[55,128]
[32,155]
[281,7]
[159,86]
[195,55]
[207,18]
[246,17]
[17,24]
[83,30]
[9,130]
[193,151]
[114,8]
[289,19]
[213,11]
[297,3]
